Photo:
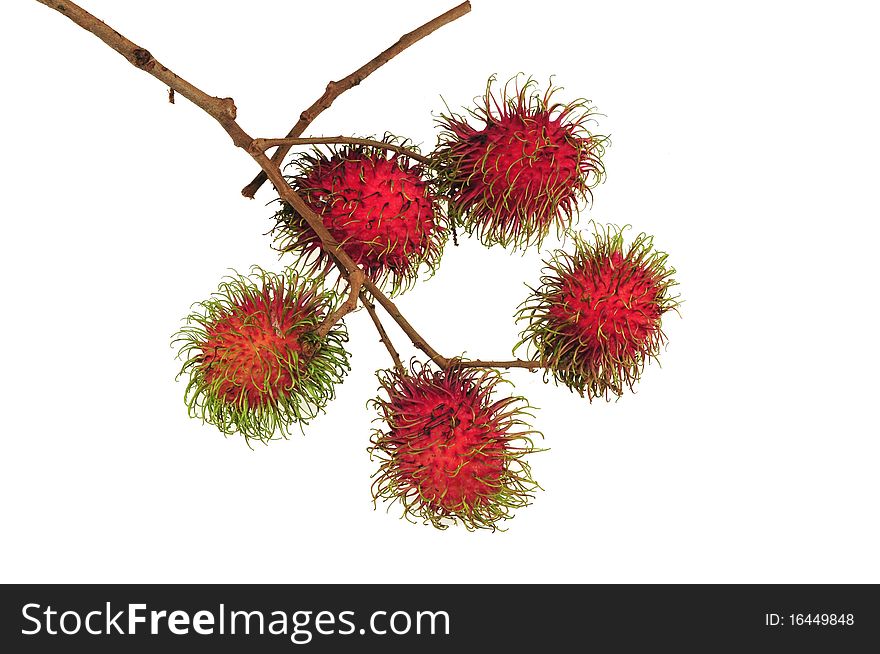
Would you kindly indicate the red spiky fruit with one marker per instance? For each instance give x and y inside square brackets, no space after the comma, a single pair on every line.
[450,452]
[521,171]
[255,362]
[376,205]
[595,320]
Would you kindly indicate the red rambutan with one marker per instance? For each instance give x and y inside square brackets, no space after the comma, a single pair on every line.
[254,362]
[380,209]
[595,320]
[451,453]
[526,168]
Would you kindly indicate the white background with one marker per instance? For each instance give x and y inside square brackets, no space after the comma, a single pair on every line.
[744,137]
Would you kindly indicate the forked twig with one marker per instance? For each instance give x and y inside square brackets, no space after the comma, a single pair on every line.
[223,110]
[383,335]
[335,89]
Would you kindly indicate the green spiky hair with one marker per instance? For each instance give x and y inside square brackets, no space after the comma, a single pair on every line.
[255,364]
[524,167]
[450,451]
[595,318]
[378,205]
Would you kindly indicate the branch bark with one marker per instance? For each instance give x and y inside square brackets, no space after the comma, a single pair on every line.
[335,89]
[221,109]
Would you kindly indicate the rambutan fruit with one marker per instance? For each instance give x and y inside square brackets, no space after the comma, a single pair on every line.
[379,208]
[526,167]
[255,363]
[595,319]
[449,451]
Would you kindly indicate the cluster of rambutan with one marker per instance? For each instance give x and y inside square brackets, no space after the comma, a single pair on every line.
[261,358]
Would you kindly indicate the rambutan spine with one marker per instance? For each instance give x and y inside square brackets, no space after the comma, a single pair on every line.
[524,168]
[255,363]
[379,206]
[595,319]
[449,452]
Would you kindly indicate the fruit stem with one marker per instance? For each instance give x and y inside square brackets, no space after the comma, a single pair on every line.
[224,112]
[383,335]
[355,281]
[515,363]
[264,144]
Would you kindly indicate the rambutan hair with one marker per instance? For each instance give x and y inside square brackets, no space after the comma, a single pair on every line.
[595,318]
[379,207]
[255,363]
[525,167]
[449,452]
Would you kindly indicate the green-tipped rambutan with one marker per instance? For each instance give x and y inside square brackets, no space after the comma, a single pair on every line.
[254,361]
[378,206]
[523,168]
[449,451]
[595,319]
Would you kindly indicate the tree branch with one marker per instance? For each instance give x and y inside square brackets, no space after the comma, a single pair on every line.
[355,280]
[335,89]
[407,328]
[383,335]
[264,144]
[223,110]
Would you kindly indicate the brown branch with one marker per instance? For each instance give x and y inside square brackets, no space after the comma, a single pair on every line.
[335,89]
[264,144]
[223,110]
[383,335]
[404,324]
[516,363]
[355,281]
